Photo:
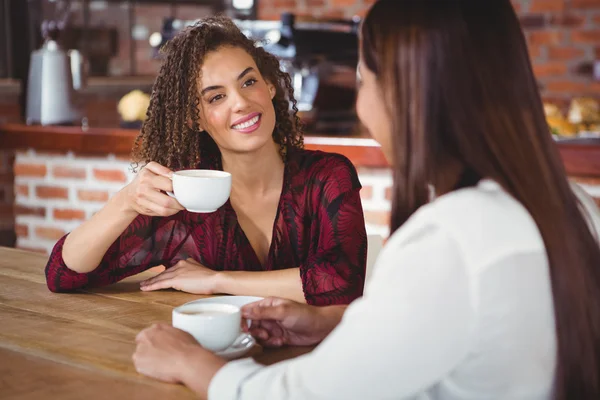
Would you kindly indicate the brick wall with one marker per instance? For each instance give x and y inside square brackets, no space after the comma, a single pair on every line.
[54,193]
[563,38]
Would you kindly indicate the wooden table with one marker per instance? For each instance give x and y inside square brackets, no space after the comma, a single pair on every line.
[79,345]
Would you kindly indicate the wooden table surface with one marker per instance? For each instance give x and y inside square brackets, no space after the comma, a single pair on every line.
[79,345]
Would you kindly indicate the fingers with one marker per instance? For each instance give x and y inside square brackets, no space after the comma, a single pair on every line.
[160,182]
[158,169]
[146,334]
[266,339]
[167,275]
[162,200]
[165,283]
[267,302]
[147,207]
[147,191]
[262,312]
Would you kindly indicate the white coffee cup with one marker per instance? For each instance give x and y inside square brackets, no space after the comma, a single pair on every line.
[215,326]
[201,190]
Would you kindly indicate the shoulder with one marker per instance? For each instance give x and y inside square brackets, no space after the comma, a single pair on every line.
[485,222]
[320,168]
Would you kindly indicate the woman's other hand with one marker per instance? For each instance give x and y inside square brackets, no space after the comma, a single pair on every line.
[187,276]
[277,322]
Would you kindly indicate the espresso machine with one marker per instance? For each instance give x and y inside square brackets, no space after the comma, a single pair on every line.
[54,77]
[321,57]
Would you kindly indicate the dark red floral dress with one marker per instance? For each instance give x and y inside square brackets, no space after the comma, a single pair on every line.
[319,227]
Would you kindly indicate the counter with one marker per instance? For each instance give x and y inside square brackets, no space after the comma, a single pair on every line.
[63,175]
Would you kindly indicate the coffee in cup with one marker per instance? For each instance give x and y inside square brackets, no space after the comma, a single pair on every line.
[215,326]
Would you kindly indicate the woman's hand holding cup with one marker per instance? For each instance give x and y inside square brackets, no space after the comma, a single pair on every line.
[146,193]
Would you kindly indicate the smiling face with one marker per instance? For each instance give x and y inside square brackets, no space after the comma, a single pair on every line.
[236,106]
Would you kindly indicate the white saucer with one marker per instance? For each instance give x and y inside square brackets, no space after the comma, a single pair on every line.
[238,301]
[241,346]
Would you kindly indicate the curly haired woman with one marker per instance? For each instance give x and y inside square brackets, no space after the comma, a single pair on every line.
[293,225]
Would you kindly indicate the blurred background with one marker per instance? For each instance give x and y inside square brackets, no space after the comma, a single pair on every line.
[81,71]
[118,41]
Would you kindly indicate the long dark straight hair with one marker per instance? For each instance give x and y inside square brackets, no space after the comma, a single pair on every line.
[458,85]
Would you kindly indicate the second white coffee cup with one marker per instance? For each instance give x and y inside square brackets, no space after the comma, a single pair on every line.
[215,326]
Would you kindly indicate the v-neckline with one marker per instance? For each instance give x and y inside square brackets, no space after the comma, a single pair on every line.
[268,259]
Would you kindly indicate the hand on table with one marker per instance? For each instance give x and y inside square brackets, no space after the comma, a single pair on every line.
[187,276]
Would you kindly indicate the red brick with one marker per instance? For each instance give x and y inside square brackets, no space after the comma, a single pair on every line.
[545,37]
[564,53]
[315,3]
[268,15]
[547,5]
[388,194]
[597,19]
[343,3]
[284,3]
[22,231]
[568,20]
[588,36]
[597,200]
[377,217]
[52,192]
[550,69]
[567,86]
[69,172]
[36,170]
[110,175]
[366,193]
[31,211]
[535,51]
[532,21]
[22,190]
[585,4]
[69,214]
[597,53]
[334,14]
[92,195]
[49,233]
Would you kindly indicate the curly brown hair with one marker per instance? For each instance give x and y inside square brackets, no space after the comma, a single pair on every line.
[171,134]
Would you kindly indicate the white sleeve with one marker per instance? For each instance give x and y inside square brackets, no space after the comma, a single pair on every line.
[409,330]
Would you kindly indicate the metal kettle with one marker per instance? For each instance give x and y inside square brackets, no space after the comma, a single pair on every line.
[54,77]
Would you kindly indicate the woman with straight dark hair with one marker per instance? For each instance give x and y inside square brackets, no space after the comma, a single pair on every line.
[489,287]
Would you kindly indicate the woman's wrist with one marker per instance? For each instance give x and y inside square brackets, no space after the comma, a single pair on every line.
[198,368]
[121,204]
[220,282]
[330,317]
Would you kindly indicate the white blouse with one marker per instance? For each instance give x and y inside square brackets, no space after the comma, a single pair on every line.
[459,306]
